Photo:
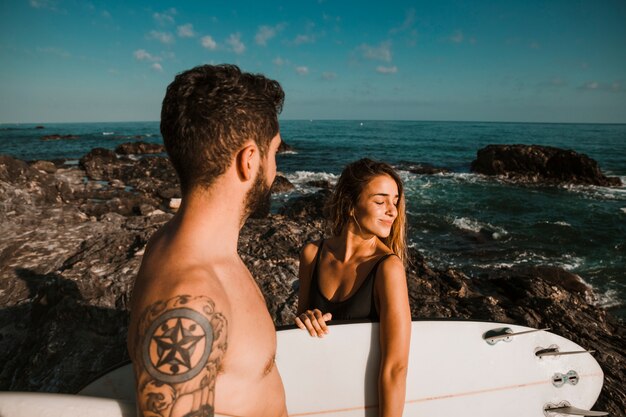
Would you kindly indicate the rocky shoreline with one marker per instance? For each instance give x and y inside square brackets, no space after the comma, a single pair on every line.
[72,238]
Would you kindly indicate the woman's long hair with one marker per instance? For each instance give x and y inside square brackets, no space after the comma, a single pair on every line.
[342,202]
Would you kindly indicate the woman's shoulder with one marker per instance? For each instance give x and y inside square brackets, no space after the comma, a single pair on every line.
[389,263]
[309,250]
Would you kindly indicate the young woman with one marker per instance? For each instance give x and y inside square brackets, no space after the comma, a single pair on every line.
[359,273]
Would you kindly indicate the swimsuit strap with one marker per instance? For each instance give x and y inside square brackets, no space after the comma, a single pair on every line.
[382,258]
[314,285]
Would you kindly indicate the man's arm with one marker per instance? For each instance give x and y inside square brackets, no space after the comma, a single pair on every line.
[178,353]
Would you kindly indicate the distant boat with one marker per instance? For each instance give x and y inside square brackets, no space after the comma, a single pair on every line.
[107,133]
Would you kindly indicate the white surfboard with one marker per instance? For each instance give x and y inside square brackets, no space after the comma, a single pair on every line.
[456,368]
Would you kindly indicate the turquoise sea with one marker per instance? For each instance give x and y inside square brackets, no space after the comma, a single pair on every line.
[458,219]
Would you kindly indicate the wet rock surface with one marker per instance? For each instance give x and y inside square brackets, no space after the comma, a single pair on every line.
[540,164]
[138,148]
[71,241]
[59,137]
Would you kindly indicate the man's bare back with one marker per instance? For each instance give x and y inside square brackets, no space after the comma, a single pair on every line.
[201,339]
[223,293]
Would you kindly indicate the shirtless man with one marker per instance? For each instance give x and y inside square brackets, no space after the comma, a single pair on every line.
[201,339]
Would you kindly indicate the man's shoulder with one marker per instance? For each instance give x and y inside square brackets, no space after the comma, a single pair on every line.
[181,289]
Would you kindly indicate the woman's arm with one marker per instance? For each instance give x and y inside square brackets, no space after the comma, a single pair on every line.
[314,321]
[305,270]
[395,336]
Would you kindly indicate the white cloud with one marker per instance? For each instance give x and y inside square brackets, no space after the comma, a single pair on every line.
[278,61]
[328,76]
[186,31]
[143,55]
[386,70]
[106,14]
[167,17]
[43,4]
[302,70]
[165,38]
[55,51]
[614,87]
[208,43]
[265,33]
[301,39]
[157,67]
[329,18]
[381,52]
[234,40]
[456,37]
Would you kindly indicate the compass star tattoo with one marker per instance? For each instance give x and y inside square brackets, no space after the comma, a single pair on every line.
[176,346]
[182,344]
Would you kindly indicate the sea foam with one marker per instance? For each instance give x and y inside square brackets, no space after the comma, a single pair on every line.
[472,225]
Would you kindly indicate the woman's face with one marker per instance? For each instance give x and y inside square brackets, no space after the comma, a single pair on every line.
[376,209]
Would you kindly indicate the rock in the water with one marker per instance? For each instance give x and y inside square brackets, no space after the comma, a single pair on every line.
[281,185]
[540,164]
[308,206]
[320,184]
[100,164]
[283,147]
[139,148]
[59,137]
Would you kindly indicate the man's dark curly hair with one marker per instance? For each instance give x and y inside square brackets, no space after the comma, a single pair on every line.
[209,112]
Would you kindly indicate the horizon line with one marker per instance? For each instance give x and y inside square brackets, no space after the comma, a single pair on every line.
[335,120]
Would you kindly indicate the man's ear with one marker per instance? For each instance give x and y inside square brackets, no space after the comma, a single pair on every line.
[246,161]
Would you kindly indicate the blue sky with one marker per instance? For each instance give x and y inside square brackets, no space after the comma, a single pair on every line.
[536,61]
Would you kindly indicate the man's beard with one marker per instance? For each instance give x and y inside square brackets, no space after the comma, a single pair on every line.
[257,202]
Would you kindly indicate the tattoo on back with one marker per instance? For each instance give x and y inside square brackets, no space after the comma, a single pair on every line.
[177,357]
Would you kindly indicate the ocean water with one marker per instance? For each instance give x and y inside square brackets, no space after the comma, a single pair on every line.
[458,219]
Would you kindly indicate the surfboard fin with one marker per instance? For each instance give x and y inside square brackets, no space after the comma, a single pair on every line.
[554,351]
[565,408]
[505,333]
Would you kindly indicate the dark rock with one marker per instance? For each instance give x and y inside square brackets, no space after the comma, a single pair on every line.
[308,206]
[540,164]
[283,147]
[281,185]
[45,166]
[59,137]
[169,193]
[138,148]
[320,184]
[100,164]
[144,209]
[25,185]
[39,127]
[421,168]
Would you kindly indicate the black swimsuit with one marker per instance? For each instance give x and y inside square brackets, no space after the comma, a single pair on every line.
[358,307]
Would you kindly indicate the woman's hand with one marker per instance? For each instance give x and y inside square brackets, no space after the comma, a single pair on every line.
[314,321]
